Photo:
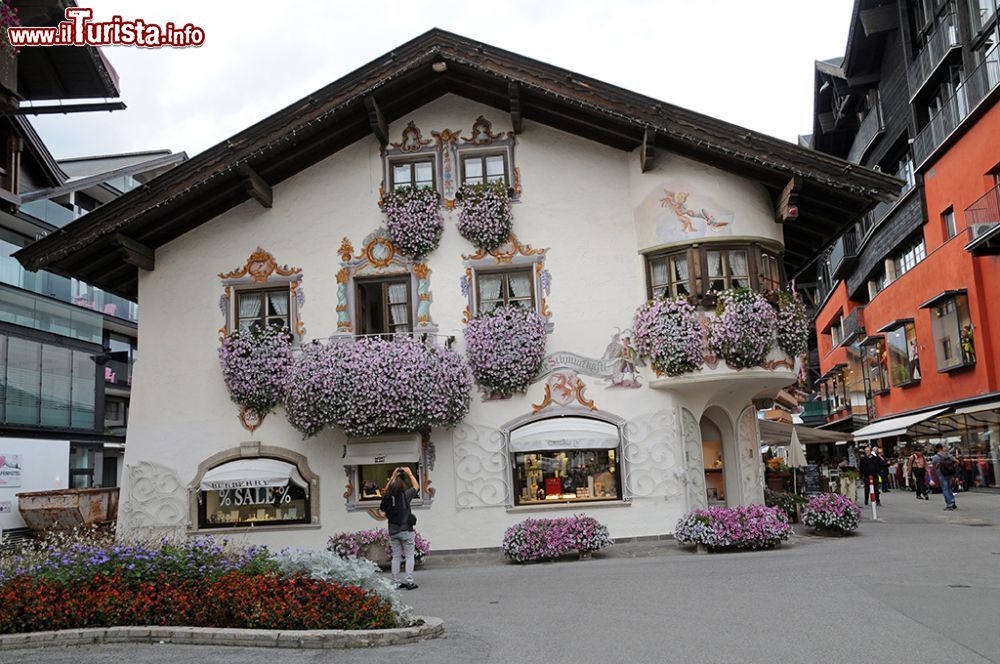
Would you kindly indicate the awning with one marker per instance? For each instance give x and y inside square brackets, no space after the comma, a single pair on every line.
[941,297]
[779,433]
[896,426]
[252,474]
[565,433]
[405,449]
[968,410]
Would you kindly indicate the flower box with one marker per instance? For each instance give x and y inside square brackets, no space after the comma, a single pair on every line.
[548,539]
[733,528]
[832,514]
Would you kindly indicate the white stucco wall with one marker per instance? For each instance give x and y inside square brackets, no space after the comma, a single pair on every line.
[44,467]
[579,199]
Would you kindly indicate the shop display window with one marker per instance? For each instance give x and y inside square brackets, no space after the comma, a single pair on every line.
[876,365]
[253,492]
[904,358]
[954,343]
[373,478]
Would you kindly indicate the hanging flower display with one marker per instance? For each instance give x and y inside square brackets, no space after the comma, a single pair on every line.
[743,332]
[485,217]
[413,219]
[372,385]
[793,325]
[256,362]
[669,333]
[505,348]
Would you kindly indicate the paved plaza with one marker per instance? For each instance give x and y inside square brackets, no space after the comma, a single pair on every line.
[921,584]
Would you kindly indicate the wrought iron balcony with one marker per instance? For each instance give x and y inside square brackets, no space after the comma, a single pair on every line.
[944,39]
[983,80]
[871,127]
[844,255]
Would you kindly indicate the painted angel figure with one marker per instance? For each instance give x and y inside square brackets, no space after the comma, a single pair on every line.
[626,359]
[677,202]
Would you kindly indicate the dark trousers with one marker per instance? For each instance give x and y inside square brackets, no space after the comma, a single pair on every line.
[920,478]
[868,489]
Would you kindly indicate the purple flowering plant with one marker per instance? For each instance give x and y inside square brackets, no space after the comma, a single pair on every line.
[505,348]
[354,544]
[743,331]
[792,324]
[485,215]
[669,333]
[256,362]
[738,527]
[370,385]
[413,219]
[547,539]
[833,512]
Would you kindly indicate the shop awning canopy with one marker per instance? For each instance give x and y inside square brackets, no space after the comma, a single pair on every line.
[779,433]
[252,474]
[404,449]
[564,433]
[978,408]
[895,426]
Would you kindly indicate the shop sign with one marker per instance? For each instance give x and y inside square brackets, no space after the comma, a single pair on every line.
[10,470]
[258,496]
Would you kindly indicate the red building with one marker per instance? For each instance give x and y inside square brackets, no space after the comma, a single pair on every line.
[908,299]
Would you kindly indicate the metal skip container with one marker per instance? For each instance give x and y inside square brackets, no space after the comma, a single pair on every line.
[65,509]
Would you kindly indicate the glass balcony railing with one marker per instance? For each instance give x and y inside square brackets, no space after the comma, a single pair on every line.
[49,212]
[29,310]
[983,80]
[944,39]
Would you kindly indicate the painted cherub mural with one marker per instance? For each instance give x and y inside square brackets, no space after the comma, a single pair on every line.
[626,358]
[677,203]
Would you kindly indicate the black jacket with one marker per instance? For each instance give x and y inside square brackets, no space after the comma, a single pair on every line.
[869,465]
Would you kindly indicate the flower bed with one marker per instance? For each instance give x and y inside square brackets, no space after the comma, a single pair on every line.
[505,348]
[371,385]
[792,325]
[833,513]
[739,527]
[413,219]
[669,333]
[355,544]
[743,331]
[255,365]
[198,582]
[546,539]
[485,217]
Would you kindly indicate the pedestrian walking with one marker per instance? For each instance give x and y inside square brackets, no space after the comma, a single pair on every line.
[918,466]
[883,469]
[396,507]
[945,468]
[870,469]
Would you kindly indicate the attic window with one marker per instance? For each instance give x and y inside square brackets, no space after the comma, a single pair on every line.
[412,173]
[483,168]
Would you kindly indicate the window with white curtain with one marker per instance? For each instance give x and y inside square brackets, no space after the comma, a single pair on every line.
[259,308]
[513,287]
[695,270]
[383,306]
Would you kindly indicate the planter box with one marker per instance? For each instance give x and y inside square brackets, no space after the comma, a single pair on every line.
[376,554]
[65,509]
[776,481]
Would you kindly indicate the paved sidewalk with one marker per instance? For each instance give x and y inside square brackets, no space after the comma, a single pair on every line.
[919,585]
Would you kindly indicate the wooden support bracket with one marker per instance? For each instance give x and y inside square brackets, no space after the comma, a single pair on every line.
[646,152]
[787,208]
[134,252]
[377,120]
[514,96]
[256,186]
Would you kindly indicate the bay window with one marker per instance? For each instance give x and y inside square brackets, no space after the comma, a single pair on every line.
[904,358]
[875,364]
[712,268]
[670,274]
[951,324]
[727,268]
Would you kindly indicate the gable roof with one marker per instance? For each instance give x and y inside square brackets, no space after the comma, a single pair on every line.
[831,192]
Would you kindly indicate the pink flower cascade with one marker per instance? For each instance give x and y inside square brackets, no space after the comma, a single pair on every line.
[485,216]
[832,511]
[669,333]
[792,325]
[739,527]
[546,539]
[743,331]
[256,363]
[413,219]
[505,348]
[371,385]
[354,544]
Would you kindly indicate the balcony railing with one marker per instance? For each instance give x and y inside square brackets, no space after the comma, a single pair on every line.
[844,255]
[853,326]
[944,39]
[967,97]
[50,212]
[871,127]
[982,219]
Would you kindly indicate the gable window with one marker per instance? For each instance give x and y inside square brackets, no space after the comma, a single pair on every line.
[904,358]
[670,275]
[951,324]
[383,306]
[412,173]
[260,308]
[483,168]
[512,287]
[256,491]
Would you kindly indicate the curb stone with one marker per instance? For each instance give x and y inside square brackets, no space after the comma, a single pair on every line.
[428,628]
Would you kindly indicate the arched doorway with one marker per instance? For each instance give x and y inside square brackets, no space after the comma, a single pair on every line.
[720,458]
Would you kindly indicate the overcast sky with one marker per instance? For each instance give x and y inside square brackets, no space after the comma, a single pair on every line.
[750,63]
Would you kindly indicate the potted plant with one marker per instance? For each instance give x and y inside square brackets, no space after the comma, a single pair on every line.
[484,218]
[743,331]
[849,483]
[669,333]
[505,348]
[256,363]
[832,514]
[792,324]
[413,220]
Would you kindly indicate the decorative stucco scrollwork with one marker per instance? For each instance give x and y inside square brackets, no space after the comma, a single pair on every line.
[649,457]
[751,475]
[481,474]
[155,503]
[694,462]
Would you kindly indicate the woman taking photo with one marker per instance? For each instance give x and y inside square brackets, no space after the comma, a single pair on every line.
[396,507]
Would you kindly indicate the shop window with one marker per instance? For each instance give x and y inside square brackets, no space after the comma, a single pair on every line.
[383,306]
[566,459]
[670,275]
[483,168]
[511,287]
[412,173]
[369,463]
[256,491]
[875,362]
[904,358]
[373,478]
[951,324]
[261,308]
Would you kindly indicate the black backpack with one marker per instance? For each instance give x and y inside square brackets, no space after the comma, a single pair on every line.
[947,466]
[398,511]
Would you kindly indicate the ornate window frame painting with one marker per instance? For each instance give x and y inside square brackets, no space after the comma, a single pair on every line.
[262,272]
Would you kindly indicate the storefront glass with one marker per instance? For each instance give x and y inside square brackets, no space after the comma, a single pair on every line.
[373,478]
[954,345]
[258,491]
[566,476]
[903,355]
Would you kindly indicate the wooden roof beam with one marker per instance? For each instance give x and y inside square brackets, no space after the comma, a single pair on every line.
[647,149]
[377,120]
[256,186]
[134,253]
[514,96]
